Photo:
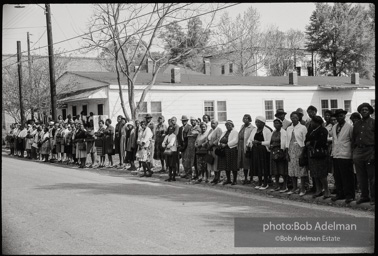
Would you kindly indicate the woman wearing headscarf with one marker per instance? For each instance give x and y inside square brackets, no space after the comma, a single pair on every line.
[131,146]
[244,161]
[201,144]
[45,144]
[170,143]
[278,166]
[189,155]
[144,148]
[212,143]
[160,132]
[259,140]
[229,162]
[317,139]
[295,142]
[109,141]
[81,151]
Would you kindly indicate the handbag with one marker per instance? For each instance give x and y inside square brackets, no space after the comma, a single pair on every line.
[209,159]
[278,154]
[81,146]
[220,152]
[303,158]
[167,152]
[317,153]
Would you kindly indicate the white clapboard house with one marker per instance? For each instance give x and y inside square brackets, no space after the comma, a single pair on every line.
[222,97]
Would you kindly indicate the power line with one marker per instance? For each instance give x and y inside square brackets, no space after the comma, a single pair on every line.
[99,29]
[149,30]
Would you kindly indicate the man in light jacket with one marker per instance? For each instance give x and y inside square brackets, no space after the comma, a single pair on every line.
[342,134]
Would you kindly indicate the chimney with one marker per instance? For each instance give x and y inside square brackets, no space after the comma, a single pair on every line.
[149,66]
[355,79]
[175,75]
[206,64]
[293,78]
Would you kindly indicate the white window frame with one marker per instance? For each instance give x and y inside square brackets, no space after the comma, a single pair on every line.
[274,107]
[350,106]
[215,104]
[329,105]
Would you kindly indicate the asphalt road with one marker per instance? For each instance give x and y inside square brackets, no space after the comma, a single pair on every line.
[49,209]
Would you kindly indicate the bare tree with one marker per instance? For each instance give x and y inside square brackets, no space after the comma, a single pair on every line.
[128,32]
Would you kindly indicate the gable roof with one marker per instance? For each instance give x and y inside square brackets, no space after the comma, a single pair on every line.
[189,79]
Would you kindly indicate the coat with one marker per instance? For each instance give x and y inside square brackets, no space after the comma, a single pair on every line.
[267,136]
[300,132]
[342,143]
[232,138]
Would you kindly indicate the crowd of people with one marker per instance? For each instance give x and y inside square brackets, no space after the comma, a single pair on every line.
[300,153]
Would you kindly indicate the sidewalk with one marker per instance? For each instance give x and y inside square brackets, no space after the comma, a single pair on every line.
[238,188]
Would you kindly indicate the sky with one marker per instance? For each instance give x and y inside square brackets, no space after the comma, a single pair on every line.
[71,20]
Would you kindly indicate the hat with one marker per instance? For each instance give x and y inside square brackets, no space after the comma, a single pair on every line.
[130,123]
[339,111]
[192,118]
[148,116]
[299,111]
[184,118]
[278,120]
[230,122]
[261,118]
[280,111]
[367,105]
[51,123]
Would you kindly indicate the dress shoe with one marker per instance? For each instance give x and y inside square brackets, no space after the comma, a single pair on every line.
[173,179]
[325,197]
[335,198]
[317,195]
[184,176]
[226,182]
[363,200]
[233,183]
[277,189]
[302,193]
[263,187]
[169,179]
[348,200]
[142,175]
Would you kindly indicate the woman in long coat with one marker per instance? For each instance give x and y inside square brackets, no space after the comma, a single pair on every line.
[212,143]
[109,141]
[145,148]
[243,161]
[131,146]
[189,154]
[160,132]
[229,162]
[317,139]
[259,140]
[100,141]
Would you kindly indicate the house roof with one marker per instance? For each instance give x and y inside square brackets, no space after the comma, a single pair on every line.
[189,79]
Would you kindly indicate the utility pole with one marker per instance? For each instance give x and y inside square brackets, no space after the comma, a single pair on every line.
[51,62]
[30,81]
[20,80]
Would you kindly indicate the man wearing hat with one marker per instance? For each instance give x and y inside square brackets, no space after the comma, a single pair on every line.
[152,126]
[182,139]
[363,143]
[280,114]
[342,158]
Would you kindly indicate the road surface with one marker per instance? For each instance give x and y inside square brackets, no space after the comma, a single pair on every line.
[50,209]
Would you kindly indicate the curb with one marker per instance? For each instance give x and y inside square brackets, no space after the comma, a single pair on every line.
[237,188]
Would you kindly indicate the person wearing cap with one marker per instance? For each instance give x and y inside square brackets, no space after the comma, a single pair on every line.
[152,126]
[144,148]
[363,143]
[244,133]
[280,114]
[259,141]
[213,138]
[278,143]
[316,138]
[295,143]
[117,139]
[160,132]
[228,142]
[131,146]
[170,143]
[182,141]
[300,114]
[342,134]
[189,153]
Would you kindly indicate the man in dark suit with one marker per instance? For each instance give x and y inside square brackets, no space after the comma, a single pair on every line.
[182,140]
